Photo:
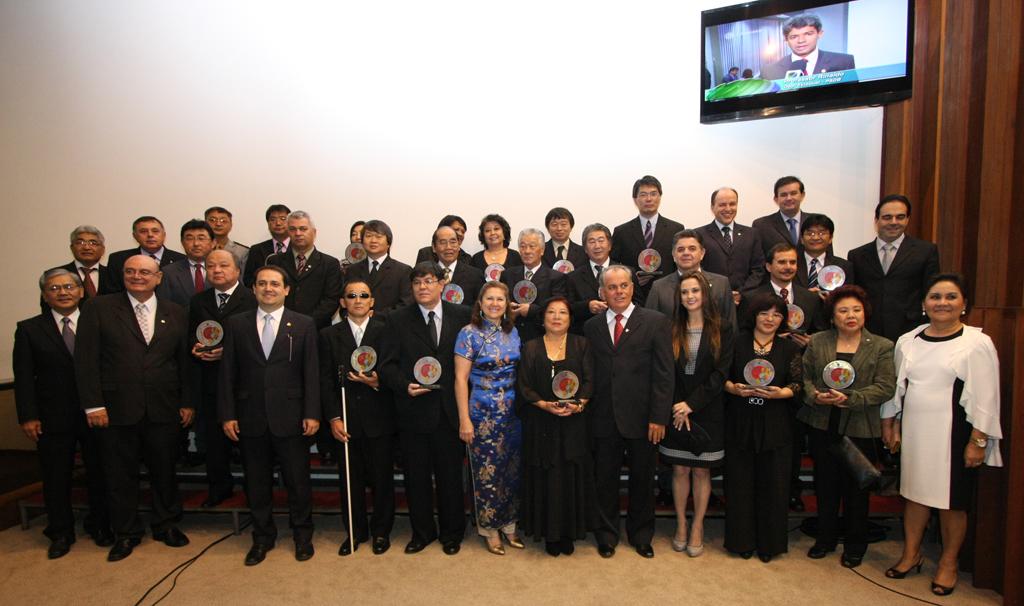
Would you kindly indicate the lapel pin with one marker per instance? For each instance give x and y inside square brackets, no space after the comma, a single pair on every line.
[288,324]
[163,321]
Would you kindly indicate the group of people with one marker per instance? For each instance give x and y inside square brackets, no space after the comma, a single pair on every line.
[545,368]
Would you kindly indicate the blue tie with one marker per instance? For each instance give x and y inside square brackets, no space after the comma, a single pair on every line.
[792,231]
[267,338]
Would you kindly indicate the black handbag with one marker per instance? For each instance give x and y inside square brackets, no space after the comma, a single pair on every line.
[854,460]
[696,440]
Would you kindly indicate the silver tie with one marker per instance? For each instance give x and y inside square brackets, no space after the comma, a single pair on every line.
[267,338]
[887,257]
[142,315]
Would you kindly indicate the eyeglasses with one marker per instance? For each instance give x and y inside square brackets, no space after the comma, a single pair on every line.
[81,242]
[70,286]
[145,273]
[647,194]
[357,295]
[814,233]
[427,282]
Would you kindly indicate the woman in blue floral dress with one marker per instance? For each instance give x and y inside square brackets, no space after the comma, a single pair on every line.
[486,355]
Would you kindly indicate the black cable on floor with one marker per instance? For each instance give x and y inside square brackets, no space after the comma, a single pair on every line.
[180,568]
[876,583]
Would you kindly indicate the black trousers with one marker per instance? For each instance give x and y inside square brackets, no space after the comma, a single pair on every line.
[121,447]
[640,457]
[57,463]
[796,457]
[372,467]
[834,484]
[438,455]
[218,449]
[757,500]
[258,455]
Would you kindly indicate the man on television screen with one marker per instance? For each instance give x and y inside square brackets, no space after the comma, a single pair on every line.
[802,34]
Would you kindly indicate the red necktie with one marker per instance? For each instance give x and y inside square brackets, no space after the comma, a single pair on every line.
[200,283]
[784,294]
[618,329]
[90,286]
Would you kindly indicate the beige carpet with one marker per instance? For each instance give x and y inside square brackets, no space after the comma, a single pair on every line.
[471,577]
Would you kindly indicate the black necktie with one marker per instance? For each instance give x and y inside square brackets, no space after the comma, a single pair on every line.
[278,247]
[528,274]
[432,325]
[223,296]
[373,270]
[68,335]
[561,252]
[812,274]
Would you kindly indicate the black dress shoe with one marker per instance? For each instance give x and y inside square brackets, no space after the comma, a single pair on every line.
[122,549]
[568,547]
[415,546]
[172,537]
[849,560]
[346,547]
[303,551]
[645,550]
[746,555]
[765,557]
[103,537]
[553,548]
[257,553]
[817,551]
[605,550]
[796,504]
[59,547]
[451,547]
[213,500]
[381,544]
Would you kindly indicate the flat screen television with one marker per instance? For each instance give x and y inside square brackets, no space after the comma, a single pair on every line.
[782,57]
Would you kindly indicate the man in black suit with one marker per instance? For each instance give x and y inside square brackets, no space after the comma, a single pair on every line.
[731,249]
[268,395]
[783,226]
[457,269]
[803,33]
[150,234]
[688,252]
[277,225]
[388,278]
[582,284]
[131,365]
[428,420]
[427,253]
[226,297]
[559,223]
[816,242]
[314,277]
[186,279]
[368,422]
[631,405]
[87,248]
[529,317]
[649,230]
[893,269]
[50,414]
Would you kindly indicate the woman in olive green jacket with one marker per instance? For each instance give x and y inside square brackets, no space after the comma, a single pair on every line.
[851,411]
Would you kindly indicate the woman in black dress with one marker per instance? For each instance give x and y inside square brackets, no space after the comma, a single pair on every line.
[558,483]
[759,435]
[496,234]
[694,444]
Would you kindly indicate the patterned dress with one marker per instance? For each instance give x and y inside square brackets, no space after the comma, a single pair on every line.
[496,450]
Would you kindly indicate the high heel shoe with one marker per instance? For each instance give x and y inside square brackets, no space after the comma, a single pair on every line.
[498,549]
[894,573]
[678,545]
[513,540]
[694,551]
[942,590]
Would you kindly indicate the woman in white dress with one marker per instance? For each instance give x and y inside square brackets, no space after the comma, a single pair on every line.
[945,417]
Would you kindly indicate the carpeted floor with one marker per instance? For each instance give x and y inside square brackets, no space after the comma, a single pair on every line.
[471,577]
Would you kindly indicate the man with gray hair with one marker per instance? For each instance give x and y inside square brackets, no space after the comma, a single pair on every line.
[536,284]
[315,277]
[803,34]
[49,412]
[87,248]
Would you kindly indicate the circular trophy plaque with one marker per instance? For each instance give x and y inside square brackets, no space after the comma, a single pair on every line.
[838,374]
[453,293]
[565,385]
[796,317]
[562,266]
[209,333]
[493,272]
[831,277]
[428,370]
[355,252]
[524,292]
[649,260]
[363,359]
[758,372]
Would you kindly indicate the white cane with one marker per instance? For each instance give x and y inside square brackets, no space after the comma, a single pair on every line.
[348,472]
[472,483]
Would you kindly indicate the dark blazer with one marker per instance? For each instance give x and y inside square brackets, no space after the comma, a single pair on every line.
[177,284]
[410,341]
[628,241]
[371,412]
[582,288]
[273,394]
[108,283]
[470,279]
[896,296]
[257,258]
[115,368]
[664,296]
[203,307]
[511,260]
[830,259]
[427,254]
[549,283]
[827,62]
[633,381]
[742,263]
[391,285]
[115,261]
[773,230]
[316,291]
[703,391]
[814,311]
[44,375]
[575,255]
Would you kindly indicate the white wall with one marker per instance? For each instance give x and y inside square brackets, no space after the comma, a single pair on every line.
[403,111]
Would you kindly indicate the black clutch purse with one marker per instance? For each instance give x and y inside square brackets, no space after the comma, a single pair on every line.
[695,440]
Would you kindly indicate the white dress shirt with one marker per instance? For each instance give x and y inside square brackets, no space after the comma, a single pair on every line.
[610,318]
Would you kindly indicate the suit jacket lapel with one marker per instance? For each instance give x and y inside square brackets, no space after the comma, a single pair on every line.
[717,237]
[49,328]
[127,313]
[905,251]
[632,325]
[160,322]
[283,341]
[420,328]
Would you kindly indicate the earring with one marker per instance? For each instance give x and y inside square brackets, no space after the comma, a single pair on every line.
[923,312]
[963,312]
